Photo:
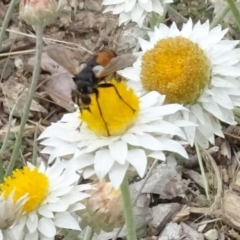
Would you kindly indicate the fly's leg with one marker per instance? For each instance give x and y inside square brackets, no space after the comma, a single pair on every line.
[108,85]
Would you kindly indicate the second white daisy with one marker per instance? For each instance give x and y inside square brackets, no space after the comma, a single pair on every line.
[194,67]
[115,132]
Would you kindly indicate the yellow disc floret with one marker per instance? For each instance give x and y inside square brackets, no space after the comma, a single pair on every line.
[113,111]
[27,181]
[177,68]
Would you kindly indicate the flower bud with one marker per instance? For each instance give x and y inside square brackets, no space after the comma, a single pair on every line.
[103,208]
[36,12]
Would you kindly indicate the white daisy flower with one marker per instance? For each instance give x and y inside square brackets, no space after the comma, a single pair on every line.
[125,132]
[52,195]
[9,213]
[134,10]
[195,67]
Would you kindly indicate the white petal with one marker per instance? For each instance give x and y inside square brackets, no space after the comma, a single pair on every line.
[117,173]
[157,155]
[124,18]
[168,128]
[145,45]
[146,5]
[136,13]
[76,206]
[46,227]
[130,139]
[198,111]
[173,146]
[32,223]
[103,161]
[84,160]
[58,206]
[149,99]
[88,172]
[74,197]
[157,7]
[66,220]
[138,159]
[44,211]
[222,98]
[129,5]
[201,140]
[149,142]
[32,236]
[119,151]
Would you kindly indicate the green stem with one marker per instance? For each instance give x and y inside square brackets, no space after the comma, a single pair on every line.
[234,10]
[34,153]
[6,138]
[88,233]
[128,210]
[202,171]
[35,76]
[220,17]
[6,21]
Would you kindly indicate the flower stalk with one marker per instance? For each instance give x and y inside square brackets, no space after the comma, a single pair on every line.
[35,76]
[219,18]
[200,161]
[234,10]
[128,210]
[88,234]
[6,20]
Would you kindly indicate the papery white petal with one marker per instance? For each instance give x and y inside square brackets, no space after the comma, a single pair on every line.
[137,157]
[66,220]
[46,227]
[117,173]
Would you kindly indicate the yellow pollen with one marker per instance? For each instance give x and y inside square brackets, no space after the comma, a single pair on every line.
[30,181]
[117,113]
[177,68]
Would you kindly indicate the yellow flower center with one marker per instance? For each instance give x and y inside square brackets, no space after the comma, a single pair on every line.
[29,181]
[177,68]
[113,111]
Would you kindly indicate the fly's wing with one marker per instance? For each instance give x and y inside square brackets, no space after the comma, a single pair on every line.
[63,57]
[117,63]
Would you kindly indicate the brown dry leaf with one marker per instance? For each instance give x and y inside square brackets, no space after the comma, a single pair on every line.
[232,133]
[182,215]
[17,92]
[59,88]
[230,209]
[234,234]
[47,64]
[59,85]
